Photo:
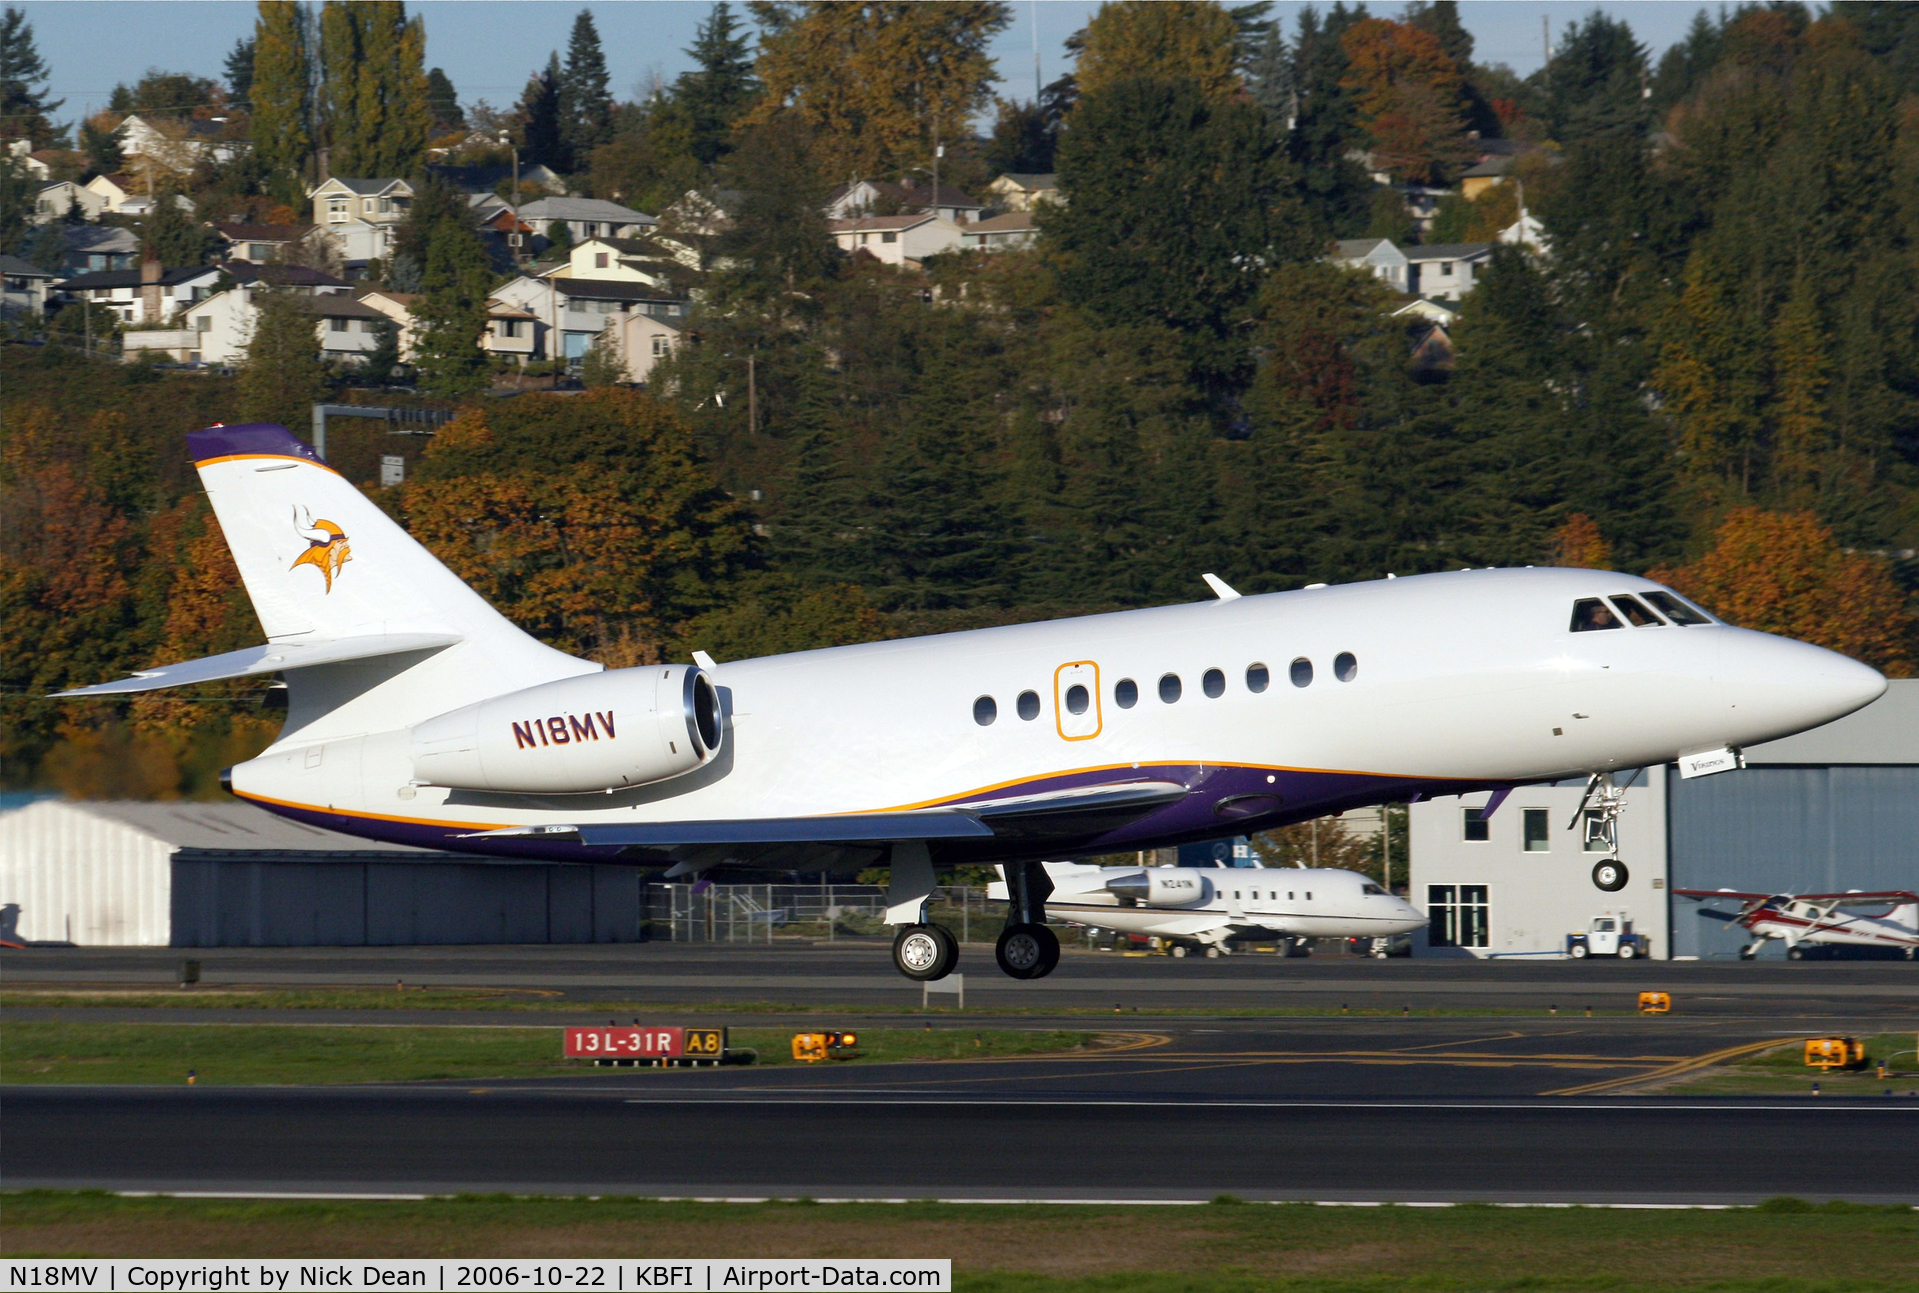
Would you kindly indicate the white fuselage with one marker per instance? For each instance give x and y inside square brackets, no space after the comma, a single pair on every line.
[1227,903]
[1800,921]
[1457,681]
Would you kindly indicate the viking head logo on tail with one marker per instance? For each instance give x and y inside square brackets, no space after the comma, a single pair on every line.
[326,550]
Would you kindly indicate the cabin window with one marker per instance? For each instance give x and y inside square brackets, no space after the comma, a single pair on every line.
[1590,614]
[1302,672]
[1677,611]
[1256,678]
[1029,705]
[1126,693]
[1213,683]
[1473,826]
[1076,699]
[1345,666]
[985,710]
[1636,615]
[1534,830]
[1169,687]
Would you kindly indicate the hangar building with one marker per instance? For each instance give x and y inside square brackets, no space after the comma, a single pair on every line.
[1828,810]
[228,874]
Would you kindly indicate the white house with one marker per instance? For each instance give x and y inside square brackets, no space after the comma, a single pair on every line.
[568,313]
[1008,232]
[869,197]
[178,144]
[55,200]
[645,340]
[586,218]
[361,215]
[895,240]
[259,243]
[1015,192]
[128,195]
[1378,257]
[223,322]
[146,295]
[625,260]
[397,309]
[1444,271]
[25,288]
[94,247]
[512,332]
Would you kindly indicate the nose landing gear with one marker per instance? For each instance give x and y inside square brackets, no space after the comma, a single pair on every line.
[1599,808]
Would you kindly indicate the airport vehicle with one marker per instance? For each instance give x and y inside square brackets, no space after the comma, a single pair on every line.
[1211,908]
[1608,936]
[419,714]
[1814,919]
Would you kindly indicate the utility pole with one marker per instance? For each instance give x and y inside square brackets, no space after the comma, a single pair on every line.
[752,394]
[1546,39]
[1037,78]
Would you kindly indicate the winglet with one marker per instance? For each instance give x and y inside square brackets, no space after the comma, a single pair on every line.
[1221,589]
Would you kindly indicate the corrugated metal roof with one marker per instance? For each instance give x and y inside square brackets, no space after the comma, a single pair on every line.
[1884,732]
[228,826]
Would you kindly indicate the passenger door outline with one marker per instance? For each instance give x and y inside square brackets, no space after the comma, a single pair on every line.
[1077,727]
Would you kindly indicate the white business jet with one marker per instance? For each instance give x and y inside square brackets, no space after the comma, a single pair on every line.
[1214,907]
[418,714]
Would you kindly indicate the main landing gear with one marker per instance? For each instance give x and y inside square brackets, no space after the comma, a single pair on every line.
[1026,948]
[925,952]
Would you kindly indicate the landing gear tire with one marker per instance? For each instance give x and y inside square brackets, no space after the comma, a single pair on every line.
[1579,952]
[1179,950]
[1610,875]
[1212,953]
[1027,951]
[1795,954]
[1747,953]
[924,952]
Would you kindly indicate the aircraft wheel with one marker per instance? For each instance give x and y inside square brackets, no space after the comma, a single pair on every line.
[1610,875]
[1179,950]
[1795,954]
[1627,951]
[1212,953]
[1380,956]
[1579,952]
[1027,951]
[924,952]
[1747,953]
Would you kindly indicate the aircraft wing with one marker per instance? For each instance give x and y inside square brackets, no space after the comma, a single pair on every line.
[1837,899]
[1078,812]
[268,659]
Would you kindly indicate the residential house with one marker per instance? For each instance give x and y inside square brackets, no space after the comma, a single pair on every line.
[585,218]
[304,278]
[95,247]
[882,197]
[1009,232]
[222,324]
[349,330]
[1429,328]
[259,243]
[568,313]
[1378,257]
[627,260]
[177,144]
[1444,271]
[1483,175]
[645,340]
[898,239]
[397,308]
[1525,232]
[147,295]
[1015,192]
[488,179]
[55,201]
[131,195]
[25,288]
[361,215]
[513,333]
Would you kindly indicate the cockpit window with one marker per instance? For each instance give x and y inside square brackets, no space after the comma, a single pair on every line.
[1677,611]
[1636,614]
[1372,888]
[1590,614]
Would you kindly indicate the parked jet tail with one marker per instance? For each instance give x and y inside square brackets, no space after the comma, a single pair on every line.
[370,630]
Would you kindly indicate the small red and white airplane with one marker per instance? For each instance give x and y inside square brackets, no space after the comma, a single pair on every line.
[1816,918]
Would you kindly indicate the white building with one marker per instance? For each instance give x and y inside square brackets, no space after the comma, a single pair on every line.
[878,197]
[361,216]
[1378,257]
[586,218]
[1012,231]
[25,288]
[1446,271]
[55,200]
[177,144]
[1015,192]
[222,325]
[140,296]
[896,240]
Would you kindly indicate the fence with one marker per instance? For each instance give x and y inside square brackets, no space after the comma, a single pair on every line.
[757,913]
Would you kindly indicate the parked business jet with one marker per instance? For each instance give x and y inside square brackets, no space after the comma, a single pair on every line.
[1811,919]
[1214,907]
[418,714]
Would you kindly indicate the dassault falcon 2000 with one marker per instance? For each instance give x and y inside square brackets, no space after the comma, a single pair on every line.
[418,714]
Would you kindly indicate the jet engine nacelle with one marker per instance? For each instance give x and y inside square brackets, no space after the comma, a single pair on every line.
[596,732]
[1161,886]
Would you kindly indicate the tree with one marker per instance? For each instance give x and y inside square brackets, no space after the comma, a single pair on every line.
[102,148]
[24,107]
[283,376]
[538,115]
[1594,83]
[1783,572]
[282,118]
[1440,19]
[710,100]
[776,247]
[1326,126]
[1579,545]
[585,107]
[453,312]
[878,82]
[1408,92]
[604,364]
[375,89]
[443,103]
[167,92]
[1023,140]
[173,237]
[239,69]
[1172,40]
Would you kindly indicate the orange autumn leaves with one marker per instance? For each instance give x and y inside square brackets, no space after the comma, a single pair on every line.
[1410,92]
[1781,572]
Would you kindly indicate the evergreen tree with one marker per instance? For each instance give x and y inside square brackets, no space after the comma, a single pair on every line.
[239,68]
[283,376]
[538,114]
[443,103]
[1326,127]
[1268,74]
[24,106]
[585,107]
[17,190]
[173,237]
[1595,82]
[282,117]
[102,149]
[1685,64]
[1023,140]
[375,91]
[777,247]
[708,101]
[453,312]
[1441,19]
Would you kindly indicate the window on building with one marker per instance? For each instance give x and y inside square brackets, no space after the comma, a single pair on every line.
[1534,830]
[889,236]
[1446,267]
[338,325]
[599,260]
[203,324]
[1473,826]
[337,210]
[506,327]
[1457,915]
[660,347]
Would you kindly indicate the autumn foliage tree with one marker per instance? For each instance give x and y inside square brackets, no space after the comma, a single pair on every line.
[1579,545]
[1409,96]
[1783,572]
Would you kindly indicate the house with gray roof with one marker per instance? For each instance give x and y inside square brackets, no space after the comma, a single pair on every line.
[1445,271]
[586,218]
[1378,257]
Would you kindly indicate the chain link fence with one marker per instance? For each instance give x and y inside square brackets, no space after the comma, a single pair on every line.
[760,913]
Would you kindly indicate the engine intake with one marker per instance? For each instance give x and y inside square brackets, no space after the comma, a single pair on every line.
[1161,886]
[597,732]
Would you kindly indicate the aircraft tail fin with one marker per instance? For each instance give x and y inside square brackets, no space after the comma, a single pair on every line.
[1907,914]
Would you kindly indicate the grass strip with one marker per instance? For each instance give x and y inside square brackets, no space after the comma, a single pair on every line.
[1784,1072]
[252,1054]
[536,1001]
[1218,1248]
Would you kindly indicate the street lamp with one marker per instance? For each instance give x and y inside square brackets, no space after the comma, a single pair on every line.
[506,141]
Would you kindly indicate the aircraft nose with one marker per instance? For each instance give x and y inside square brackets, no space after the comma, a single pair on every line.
[1777,685]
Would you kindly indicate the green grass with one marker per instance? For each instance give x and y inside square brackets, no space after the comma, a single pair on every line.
[1221,1248]
[1784,1072]
[535,1001]
[248,1054]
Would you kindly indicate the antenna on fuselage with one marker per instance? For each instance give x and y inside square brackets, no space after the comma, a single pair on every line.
[1221,589]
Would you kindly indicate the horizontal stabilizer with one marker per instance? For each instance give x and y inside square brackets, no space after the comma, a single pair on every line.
[272,658]
[872,828]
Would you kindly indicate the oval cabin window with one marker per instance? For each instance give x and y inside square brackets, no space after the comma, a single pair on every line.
[1302,672]
[1169,688]
[1126,693]
[1214,683]
[1029,705]
[985,710]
